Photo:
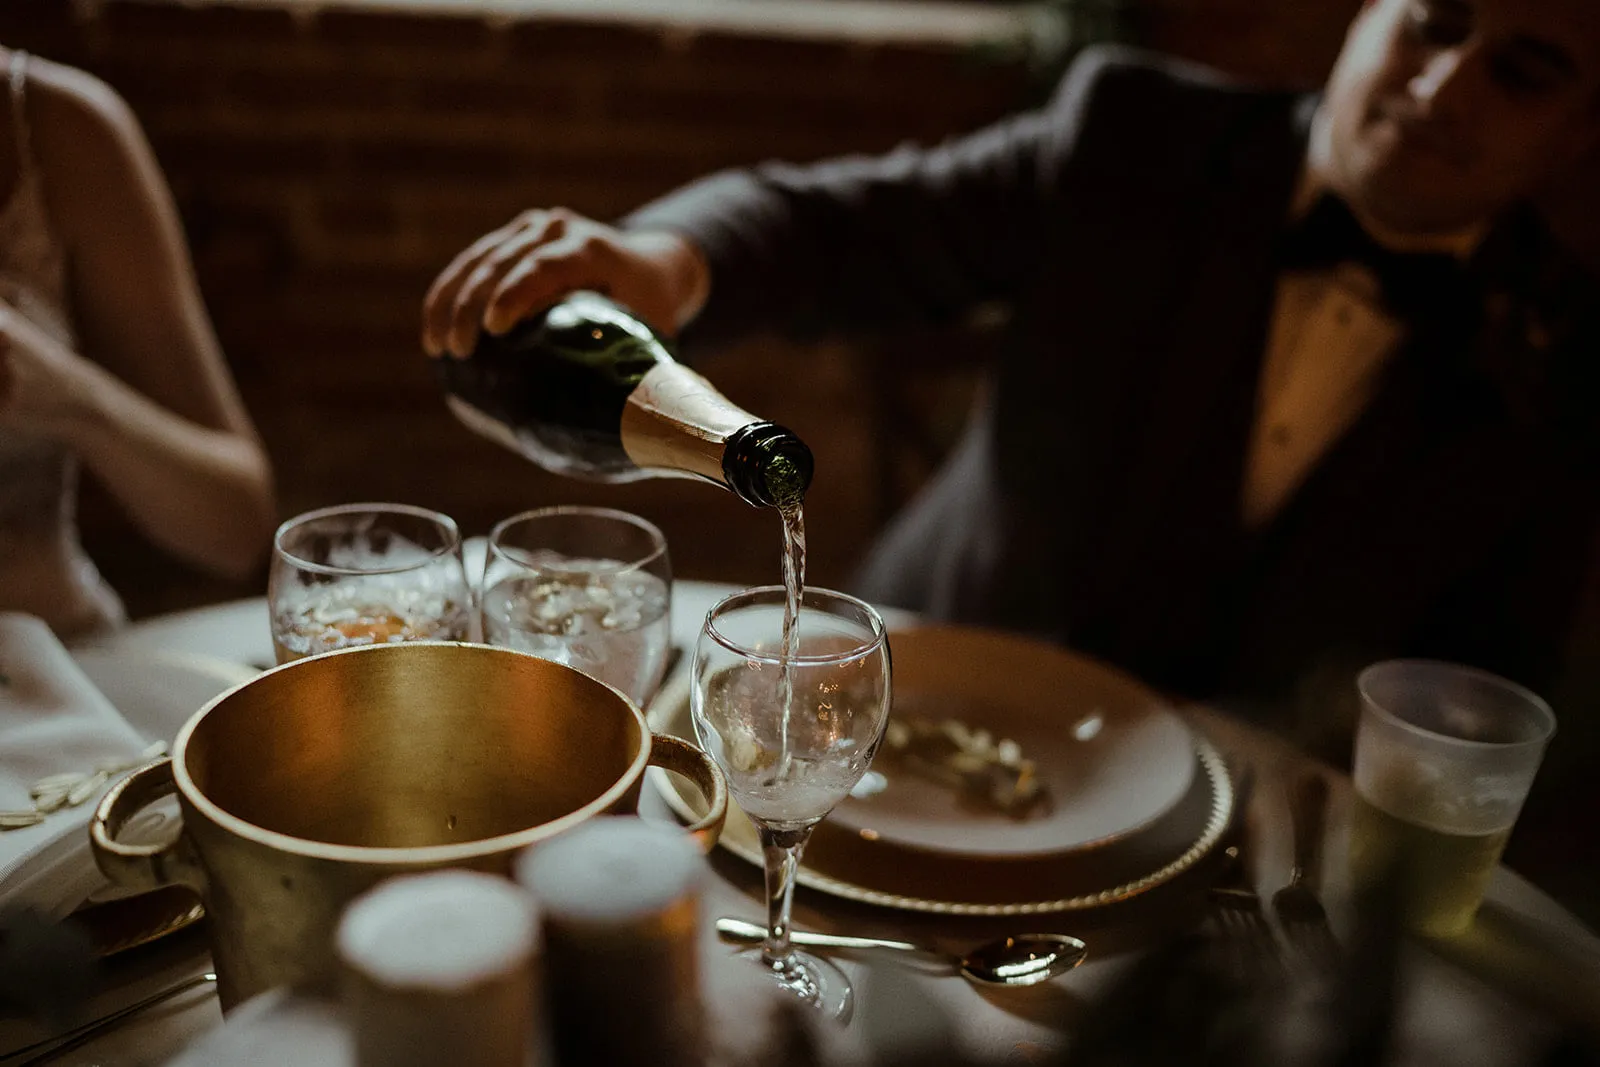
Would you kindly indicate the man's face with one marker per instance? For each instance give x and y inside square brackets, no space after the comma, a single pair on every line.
[1439,113]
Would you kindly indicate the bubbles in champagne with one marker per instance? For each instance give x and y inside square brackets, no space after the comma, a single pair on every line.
[812,789]
[829,730]
[794,580]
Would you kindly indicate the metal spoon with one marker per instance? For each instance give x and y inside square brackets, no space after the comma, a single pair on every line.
[1025,959]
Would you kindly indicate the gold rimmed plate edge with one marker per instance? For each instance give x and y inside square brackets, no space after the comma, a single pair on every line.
[664,717]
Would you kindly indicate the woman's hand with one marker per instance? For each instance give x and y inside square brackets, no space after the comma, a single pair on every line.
[540,256]
[44,386]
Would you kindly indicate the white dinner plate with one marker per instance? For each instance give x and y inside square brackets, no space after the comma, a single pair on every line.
[1135,797]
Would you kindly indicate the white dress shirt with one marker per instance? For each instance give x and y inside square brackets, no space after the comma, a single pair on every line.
[1329,341]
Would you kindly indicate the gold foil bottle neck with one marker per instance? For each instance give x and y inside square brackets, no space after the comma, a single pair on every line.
[675,420]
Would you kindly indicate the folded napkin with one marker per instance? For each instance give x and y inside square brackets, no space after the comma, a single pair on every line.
[56,731]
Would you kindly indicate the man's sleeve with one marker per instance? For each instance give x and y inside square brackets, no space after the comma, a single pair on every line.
[862,243]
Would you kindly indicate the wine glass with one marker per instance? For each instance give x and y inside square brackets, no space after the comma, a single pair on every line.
[793,734]
[363,574]
[588,587]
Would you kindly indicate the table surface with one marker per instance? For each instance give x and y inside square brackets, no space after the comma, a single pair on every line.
[1531,948]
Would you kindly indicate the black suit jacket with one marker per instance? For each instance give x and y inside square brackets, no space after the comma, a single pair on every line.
[1132,226]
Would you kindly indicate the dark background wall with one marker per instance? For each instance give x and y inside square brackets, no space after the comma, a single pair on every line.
[327,160]
[327,166]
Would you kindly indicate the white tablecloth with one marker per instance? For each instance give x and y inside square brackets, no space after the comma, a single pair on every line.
[1450,1015]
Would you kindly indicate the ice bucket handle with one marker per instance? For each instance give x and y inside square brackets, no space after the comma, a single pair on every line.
[142,868]
[680,757]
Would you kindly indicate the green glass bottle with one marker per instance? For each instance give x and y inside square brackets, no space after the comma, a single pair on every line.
[587,390]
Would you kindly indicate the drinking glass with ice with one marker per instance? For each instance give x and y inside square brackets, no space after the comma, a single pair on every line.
[363,574]
[588,587]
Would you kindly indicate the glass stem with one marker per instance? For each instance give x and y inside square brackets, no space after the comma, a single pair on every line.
[780,850]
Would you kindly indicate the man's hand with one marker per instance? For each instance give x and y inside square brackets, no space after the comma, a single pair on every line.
[540,256]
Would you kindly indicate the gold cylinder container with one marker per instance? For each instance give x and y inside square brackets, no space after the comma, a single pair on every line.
[309,784]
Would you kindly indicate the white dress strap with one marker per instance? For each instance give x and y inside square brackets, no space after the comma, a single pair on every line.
[17,75]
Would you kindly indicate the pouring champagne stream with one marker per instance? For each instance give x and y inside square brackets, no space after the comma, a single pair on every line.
[588,390]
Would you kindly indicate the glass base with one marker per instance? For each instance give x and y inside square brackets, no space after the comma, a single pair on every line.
[814,981]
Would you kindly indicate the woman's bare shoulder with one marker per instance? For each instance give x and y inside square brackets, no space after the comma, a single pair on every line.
[74,103]
[88,144]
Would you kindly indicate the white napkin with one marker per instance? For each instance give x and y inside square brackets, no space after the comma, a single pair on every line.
[53,721]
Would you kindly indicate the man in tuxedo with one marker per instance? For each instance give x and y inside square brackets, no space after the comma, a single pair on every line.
[1290,384]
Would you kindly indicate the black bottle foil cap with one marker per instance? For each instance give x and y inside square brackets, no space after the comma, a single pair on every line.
[767,465]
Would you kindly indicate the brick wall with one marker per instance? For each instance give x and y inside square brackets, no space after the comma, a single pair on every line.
[326,166]
[328,161]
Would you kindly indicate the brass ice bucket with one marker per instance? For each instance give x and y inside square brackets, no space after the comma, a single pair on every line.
[310,783]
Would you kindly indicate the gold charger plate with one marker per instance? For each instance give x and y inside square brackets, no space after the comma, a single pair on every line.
[1138,798]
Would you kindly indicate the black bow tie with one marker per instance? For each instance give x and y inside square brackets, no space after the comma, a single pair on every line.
[1412,283]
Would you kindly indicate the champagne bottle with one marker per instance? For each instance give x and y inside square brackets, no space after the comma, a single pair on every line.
[588,390]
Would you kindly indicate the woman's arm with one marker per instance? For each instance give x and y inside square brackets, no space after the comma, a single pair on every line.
[154,412]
